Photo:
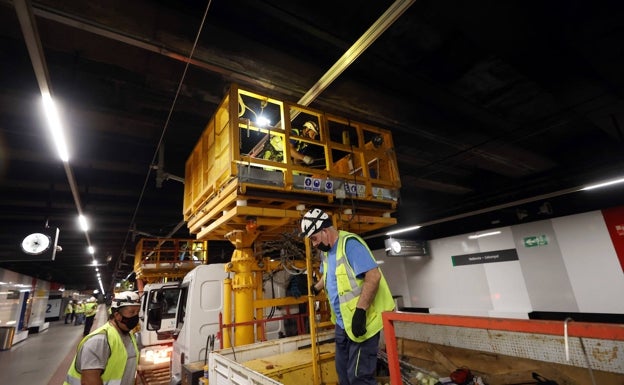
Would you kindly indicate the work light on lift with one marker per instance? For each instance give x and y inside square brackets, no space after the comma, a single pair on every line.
[261,120]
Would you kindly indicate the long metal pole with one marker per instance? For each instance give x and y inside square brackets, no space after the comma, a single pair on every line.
[368,38]
[316,370]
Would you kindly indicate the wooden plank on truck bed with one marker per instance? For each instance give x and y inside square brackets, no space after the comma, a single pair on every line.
[160,376]
[296,367]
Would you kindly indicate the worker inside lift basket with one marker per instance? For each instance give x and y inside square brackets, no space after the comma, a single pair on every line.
[109,355]
[357,292]
[299,150]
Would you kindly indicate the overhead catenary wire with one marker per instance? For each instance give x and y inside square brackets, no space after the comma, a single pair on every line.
[166,125]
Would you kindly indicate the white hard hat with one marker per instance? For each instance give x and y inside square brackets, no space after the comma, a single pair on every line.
[92,299]
[125,298]
[313,221]
[311,126]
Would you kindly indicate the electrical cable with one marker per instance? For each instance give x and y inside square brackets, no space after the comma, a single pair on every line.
[232,346]
[166,125]
[272,311]
[589,368]
[209,342]
[351,196]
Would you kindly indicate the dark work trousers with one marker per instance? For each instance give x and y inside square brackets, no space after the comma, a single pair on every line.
[356,363]
[88,325]
[67,318]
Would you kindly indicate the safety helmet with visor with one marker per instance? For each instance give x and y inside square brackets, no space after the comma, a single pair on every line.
[314,221]
[310,125]
[125,298]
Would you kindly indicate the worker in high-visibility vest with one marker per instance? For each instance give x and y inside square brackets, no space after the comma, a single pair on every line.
[109,355]
[89,313]
[274,147]
[79,309]
[357,292]
[69,310]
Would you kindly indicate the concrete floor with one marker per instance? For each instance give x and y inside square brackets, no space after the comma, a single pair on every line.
[44,358]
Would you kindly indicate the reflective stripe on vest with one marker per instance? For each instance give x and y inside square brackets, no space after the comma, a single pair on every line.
[353,291]
[116,365]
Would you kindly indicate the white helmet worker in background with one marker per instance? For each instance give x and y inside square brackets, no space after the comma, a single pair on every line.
[310,129]
[110,353]
[90,310]
[357,295]
[299,150]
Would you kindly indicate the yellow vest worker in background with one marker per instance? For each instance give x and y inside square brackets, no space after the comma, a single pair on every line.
[79,310]
[89,312]
[69,310]
[274,148]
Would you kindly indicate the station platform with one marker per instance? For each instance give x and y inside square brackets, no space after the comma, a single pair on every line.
[44,358]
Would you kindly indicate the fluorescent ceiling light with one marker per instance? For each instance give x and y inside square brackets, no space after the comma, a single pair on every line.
[54,123]
[91,250]
[603,184]
[403,230]
[476,236]
[82,220]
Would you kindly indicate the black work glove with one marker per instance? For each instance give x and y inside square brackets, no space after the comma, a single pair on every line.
[313,290]
[358,324]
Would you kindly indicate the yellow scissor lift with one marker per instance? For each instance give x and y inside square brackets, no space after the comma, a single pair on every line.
[167,259]
[232,191]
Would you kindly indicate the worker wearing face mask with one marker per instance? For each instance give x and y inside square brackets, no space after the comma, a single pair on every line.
[358,293]
[109,355]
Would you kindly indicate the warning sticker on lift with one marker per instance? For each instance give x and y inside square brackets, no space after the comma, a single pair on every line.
[354,189]
[316,184]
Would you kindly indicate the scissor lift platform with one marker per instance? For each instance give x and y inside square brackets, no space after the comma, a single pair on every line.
[230,184]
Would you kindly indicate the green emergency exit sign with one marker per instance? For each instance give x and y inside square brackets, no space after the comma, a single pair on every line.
[534,241]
